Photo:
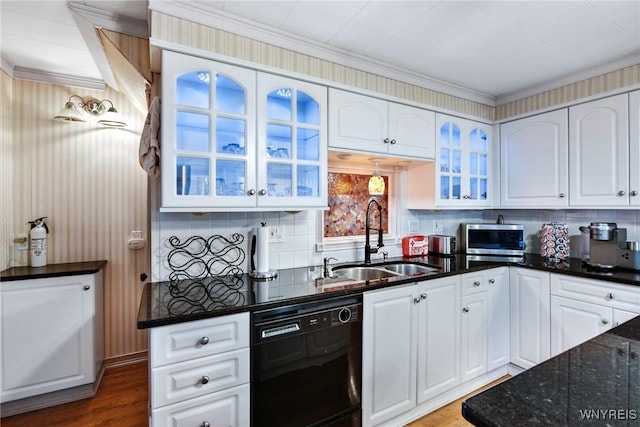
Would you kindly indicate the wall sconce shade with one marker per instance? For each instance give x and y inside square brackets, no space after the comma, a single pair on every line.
[376,182]
[73,112]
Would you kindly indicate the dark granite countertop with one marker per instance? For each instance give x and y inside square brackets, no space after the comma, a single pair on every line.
[52,270]
[595,383]
[165,303]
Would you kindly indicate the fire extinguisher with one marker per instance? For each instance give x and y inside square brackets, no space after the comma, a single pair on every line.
[38,245]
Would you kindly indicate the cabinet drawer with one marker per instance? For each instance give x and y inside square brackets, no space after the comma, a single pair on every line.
[473,283]
[185,380]
[626,297]
[190,340]
[229,407]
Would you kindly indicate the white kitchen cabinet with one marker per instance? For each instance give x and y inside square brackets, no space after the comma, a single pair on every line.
[410,347]
[474,335]
[363,123]
[52,335]
[389,349]
[199,372]
[461,176]
[439,337]
[529,312]
[583,308]
[599,152]
[498,318]
[237,139]
[534,163]
[634,148]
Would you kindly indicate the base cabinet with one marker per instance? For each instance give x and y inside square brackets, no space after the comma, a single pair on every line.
[52,337]
[200,373]
[584,308]
[530,317]
[410,347]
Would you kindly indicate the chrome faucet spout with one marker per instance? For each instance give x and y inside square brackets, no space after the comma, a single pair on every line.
[368,250]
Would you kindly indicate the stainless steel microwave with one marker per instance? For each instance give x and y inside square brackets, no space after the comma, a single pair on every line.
[493,239]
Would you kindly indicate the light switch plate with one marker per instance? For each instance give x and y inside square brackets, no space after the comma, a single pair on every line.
[276,234]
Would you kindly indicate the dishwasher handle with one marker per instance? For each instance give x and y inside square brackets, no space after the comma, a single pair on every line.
[280,330]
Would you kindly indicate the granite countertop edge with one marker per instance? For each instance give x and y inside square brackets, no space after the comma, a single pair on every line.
[52,270]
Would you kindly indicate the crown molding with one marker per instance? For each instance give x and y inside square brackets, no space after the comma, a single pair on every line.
[626,61]
[23,73]
[206,14]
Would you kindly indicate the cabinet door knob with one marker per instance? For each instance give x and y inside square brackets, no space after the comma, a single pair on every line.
[466,196]
[417,300]
[386,140]
[621,193]
[605,322]
[251,192]
[561,195]
[205,424]
[492,281]
[204,379]
[634,193]
[465,310]
[610,296]
[423,296]
[86,287]
[204,340]
[262,192]
[476,283]
[393,141]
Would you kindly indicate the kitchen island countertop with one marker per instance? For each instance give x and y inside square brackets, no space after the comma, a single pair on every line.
[594,383]
[169,302]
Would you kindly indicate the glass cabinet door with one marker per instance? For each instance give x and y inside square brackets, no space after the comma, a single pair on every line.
[208,126]
[293,145]
[478,165]
[450,162]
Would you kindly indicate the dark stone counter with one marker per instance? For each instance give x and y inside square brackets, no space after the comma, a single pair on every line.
[52,270]
[165,303]
[596,383]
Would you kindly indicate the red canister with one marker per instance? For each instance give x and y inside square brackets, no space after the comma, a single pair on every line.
[415,245]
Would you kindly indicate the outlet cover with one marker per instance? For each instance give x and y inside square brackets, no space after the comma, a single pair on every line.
[414,227]
[437,226]
[276,234]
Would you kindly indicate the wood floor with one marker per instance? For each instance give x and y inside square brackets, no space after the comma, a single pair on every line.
[122,401]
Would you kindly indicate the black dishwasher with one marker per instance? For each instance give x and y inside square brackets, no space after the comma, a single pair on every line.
[307,364]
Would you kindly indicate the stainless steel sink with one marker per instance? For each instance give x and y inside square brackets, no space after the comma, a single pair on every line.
[411,269]
[364,272]
[381,271]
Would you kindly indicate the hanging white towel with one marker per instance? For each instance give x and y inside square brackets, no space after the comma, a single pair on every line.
[150,141]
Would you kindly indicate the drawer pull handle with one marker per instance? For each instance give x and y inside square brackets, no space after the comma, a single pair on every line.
[476,283]
[465,310]
[204,379]
[492,281]
[610,296]
[205,424]
[204,341]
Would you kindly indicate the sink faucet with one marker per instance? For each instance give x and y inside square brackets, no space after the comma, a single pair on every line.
[368,250]
[326,270]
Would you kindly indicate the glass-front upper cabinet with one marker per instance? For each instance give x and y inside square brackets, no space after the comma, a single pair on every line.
[463,164]
[208,133]
[292,143]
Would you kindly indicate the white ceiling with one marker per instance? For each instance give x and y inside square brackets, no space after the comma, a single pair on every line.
[494,48]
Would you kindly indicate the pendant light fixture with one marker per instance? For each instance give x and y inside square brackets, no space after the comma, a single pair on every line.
[376,182]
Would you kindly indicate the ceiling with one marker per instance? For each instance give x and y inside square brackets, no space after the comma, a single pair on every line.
[498,49]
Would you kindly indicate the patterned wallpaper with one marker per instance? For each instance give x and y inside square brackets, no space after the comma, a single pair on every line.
[87,181]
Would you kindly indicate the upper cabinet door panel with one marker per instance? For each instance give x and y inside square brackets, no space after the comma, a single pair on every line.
[599,152]
[357,122]
[534,161]
[634,148]
[413,130]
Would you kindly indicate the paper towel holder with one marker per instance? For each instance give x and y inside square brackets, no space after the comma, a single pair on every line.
[258,275]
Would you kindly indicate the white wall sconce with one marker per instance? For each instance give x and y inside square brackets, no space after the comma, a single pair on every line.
[376,182]
[91,107]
